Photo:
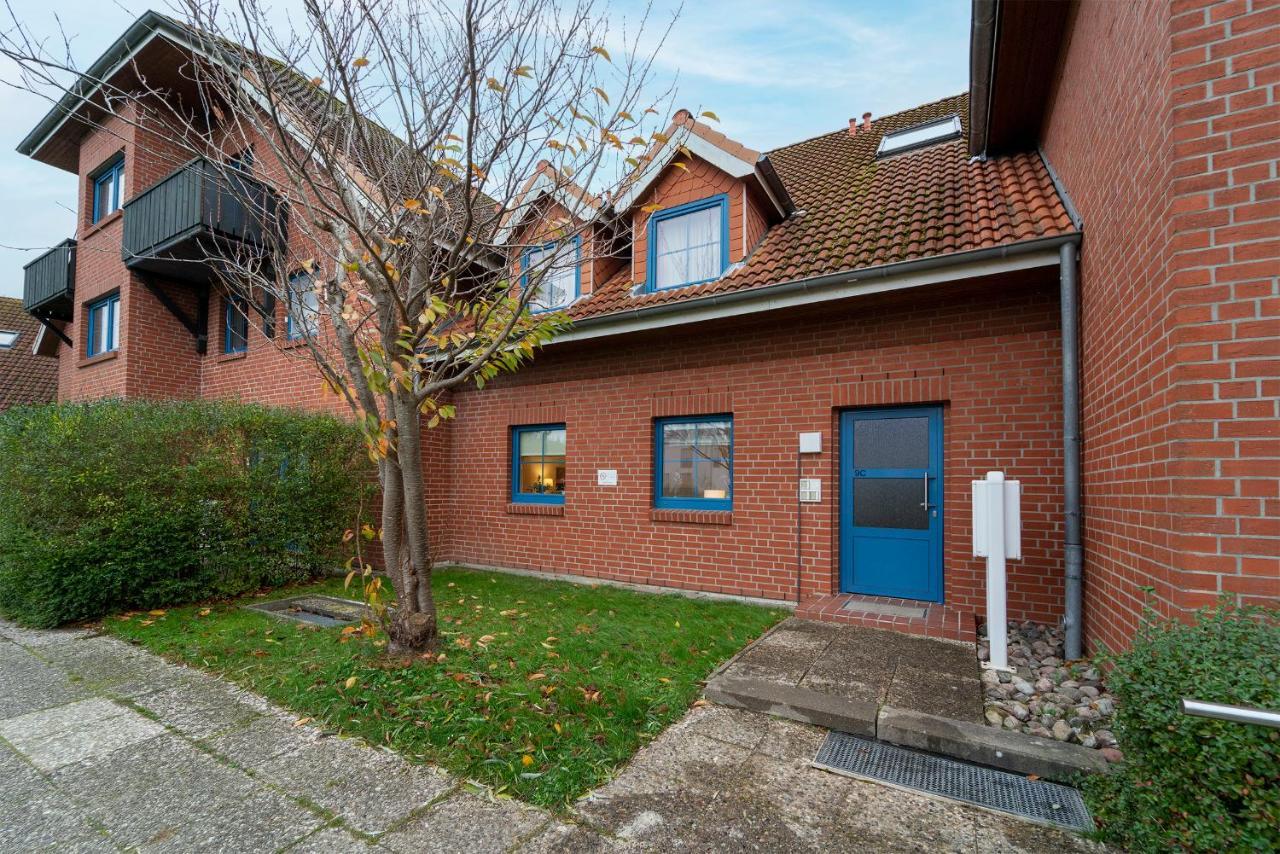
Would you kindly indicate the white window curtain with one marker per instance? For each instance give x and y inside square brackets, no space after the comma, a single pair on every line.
[554,269]
[688,248]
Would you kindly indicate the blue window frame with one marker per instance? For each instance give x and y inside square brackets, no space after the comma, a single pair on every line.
[235,312]
[693,463]
[103,334]
[538,464]
[303,318]
[108,188]
[689,244]
[561,281]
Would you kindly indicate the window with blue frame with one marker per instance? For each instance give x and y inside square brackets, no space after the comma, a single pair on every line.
[235,312]
[693,463]
[688,244]
[108,188]
[303,320]
[103,326]
[557,270]
[538,464]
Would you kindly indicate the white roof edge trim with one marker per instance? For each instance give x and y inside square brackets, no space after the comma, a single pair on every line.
[716,156]
[698,313]
[542,184]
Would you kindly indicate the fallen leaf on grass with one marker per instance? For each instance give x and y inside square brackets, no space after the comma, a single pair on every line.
[302,721]
[157,613]
[351,682]
[534,677]
[204,612]
[146,622]
[526,760]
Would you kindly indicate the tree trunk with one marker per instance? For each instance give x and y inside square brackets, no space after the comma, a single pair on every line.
[412,626]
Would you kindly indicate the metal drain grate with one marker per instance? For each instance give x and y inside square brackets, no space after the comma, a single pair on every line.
[1037,800]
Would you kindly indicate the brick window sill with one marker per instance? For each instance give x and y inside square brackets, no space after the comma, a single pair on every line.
[98,359]
[692,517]
[94,228]
[518,509]
[231,357]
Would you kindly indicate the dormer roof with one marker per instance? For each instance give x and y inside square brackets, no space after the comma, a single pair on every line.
[685,133]
[546,182]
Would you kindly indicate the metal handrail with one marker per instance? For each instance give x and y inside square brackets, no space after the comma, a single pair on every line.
[1223,712]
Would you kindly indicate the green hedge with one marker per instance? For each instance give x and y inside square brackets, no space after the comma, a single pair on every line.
[116,505]
[1187,783]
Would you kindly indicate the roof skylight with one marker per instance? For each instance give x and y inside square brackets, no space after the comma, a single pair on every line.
[7,339]
[920,136]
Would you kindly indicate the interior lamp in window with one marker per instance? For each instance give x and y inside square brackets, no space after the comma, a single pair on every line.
[920,136]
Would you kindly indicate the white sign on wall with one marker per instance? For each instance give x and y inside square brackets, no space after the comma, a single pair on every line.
[606,477]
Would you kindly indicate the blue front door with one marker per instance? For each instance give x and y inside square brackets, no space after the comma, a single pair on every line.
[891,502]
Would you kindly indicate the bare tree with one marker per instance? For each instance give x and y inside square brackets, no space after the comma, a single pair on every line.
[398,140]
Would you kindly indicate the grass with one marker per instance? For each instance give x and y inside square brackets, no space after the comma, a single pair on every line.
[543,690]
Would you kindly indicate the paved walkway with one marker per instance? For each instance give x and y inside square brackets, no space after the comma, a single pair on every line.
[104,747]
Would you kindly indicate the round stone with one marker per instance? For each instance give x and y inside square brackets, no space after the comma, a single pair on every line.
[994,717]
[1111,754]
[1061,730]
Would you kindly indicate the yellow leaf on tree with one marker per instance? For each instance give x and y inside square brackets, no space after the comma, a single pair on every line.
[602,52]
[707,114]
[412,204]
[360,61]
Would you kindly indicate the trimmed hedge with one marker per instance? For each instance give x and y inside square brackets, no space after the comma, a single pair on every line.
[116,505]
[1189,783]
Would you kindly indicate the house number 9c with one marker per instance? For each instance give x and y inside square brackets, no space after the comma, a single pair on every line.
[859,472]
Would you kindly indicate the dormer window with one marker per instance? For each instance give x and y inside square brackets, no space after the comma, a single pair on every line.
[688,245]
[929,133]
[555,270]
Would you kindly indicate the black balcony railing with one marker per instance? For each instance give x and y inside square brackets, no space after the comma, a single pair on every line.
[49,283]
[184,225]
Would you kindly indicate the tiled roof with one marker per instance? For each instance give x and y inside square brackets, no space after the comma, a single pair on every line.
[24,376]
[856,211]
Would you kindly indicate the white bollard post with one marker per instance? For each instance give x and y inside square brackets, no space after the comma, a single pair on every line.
[997,618]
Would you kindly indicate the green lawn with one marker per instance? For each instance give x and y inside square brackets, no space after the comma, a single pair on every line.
[544,689]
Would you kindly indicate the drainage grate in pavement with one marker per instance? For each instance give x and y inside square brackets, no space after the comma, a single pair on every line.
[317,610]
[1037,800]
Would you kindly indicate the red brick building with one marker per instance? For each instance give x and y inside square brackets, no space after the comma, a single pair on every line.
[875,315]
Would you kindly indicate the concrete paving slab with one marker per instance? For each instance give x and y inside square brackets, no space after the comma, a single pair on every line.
[466,821]
[737,727]
[261,740]
[332,840]
[239,826]
[34,815]
[33,727]
[561,838]
[938,693]
[27,684]
[153,790]
[369,789]
[94,741]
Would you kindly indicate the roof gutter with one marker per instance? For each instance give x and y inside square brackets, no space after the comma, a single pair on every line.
[983,32]
[830,286]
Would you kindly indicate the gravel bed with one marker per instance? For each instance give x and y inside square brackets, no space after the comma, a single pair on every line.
[1047,696]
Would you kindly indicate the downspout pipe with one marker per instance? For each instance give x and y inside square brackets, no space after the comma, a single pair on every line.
[1068,282]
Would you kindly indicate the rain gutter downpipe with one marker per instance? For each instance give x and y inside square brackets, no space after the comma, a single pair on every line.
[1068,282]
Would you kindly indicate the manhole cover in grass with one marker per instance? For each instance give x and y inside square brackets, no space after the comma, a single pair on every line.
[317,610]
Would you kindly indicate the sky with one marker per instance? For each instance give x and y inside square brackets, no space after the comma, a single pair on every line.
[773,71]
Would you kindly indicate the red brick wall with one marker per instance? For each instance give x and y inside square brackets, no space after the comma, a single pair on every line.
[1163,130]
[990,354]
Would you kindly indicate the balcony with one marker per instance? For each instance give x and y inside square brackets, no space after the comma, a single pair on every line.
[49,283]
[183,227]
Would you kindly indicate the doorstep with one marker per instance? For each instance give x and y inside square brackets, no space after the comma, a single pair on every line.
[912,691]
[924,619]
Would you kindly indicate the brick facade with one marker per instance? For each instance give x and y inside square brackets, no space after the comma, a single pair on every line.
[778,377]
[1163,128]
